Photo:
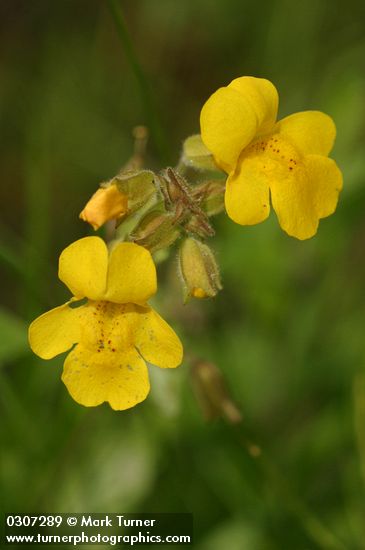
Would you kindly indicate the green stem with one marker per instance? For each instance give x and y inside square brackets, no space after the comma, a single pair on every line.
[152,118]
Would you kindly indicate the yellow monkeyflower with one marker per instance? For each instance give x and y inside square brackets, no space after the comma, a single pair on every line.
[116,331]
[285,162]
[107,203]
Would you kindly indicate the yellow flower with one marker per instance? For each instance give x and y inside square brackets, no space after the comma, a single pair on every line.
[115,331]
[285,162]
[107,203]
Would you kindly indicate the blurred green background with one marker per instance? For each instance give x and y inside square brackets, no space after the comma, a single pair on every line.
[287,331]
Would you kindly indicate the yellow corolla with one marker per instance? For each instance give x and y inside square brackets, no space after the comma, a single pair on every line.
[106,204]
[284,163]
[116,331]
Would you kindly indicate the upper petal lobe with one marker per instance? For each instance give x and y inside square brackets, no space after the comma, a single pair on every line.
[234,115]
[83,267]
[263,97]
[131,274]
[312,132]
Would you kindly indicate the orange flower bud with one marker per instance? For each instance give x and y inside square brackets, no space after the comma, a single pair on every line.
[108,203]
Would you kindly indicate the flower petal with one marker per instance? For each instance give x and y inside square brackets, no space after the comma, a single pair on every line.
[311,132]
[83,267]
[294,203]
[303,189]
[119,378]
[326,181]
[131,274]
[228,123]
[108,326]
[263,97]
[157,342]
[55,331]
[234,115]
[247,197]
[107,203]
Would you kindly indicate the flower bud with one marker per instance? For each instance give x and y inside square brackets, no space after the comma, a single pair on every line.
[199,226]
[156,230]
[199,270]
[212,393]
[196,155]
[211,196]
[108,203]
[137,185]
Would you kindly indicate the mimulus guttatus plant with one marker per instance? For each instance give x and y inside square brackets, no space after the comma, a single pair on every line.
[114,332]
[285,163]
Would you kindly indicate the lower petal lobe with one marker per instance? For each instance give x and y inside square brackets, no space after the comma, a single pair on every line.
[326,182]
[55,331]
[91,378]
[294,205]
[303,188]
[157,342]
[247,197]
